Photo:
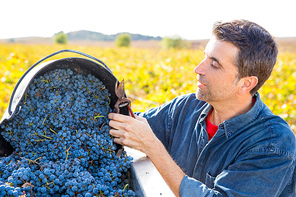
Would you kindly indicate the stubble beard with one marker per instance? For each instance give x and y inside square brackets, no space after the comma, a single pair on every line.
[209,96]
[201,95]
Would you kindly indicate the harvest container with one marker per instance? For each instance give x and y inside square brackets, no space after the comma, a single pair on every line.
[144,178]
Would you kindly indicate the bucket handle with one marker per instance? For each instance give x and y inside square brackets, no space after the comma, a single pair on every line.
[43,59]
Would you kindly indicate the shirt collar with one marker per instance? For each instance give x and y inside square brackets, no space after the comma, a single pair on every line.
[235,124]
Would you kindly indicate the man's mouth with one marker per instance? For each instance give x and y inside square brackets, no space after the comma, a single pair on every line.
[200,84]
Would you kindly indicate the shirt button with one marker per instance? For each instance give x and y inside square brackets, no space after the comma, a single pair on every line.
[271,149]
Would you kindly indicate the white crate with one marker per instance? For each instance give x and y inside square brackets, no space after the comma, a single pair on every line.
[146,181]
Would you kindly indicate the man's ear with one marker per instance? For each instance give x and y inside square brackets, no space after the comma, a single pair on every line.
[246,84]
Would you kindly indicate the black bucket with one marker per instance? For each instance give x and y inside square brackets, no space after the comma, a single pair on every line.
[82,66]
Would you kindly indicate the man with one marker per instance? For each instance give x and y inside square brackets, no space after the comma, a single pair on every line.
[223,140]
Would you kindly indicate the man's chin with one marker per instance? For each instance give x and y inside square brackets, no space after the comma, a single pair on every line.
[199,95]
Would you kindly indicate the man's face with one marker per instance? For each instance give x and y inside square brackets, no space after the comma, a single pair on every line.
[217,74]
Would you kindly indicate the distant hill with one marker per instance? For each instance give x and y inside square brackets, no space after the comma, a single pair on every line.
[84,35]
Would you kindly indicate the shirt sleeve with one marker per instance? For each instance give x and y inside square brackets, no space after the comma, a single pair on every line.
[192,187]
[161,118]
[252,175]
[159,121]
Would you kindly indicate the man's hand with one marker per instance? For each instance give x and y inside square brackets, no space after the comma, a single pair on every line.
[136,133]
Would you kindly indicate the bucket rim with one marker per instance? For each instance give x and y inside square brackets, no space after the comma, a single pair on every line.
[85,65]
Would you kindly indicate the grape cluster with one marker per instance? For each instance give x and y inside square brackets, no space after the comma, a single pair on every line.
[61,141]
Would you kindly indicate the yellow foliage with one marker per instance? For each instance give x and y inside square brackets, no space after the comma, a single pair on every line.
[152,76]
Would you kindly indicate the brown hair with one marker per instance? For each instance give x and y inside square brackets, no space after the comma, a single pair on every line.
[257,48]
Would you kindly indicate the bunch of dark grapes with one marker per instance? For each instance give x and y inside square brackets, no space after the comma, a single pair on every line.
[61,141]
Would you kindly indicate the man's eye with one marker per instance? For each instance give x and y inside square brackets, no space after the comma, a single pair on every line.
[216,67]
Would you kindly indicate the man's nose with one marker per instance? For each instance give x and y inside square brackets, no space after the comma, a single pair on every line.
[200,69]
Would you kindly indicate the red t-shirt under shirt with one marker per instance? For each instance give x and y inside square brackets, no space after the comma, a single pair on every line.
[212,129]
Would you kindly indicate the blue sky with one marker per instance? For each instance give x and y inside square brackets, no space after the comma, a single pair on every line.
[190,19]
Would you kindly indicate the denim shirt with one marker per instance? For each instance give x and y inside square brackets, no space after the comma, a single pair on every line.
[252,154]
